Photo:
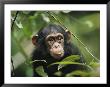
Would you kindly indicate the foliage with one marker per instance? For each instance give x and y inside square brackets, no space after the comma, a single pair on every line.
[40,71]
[85,25]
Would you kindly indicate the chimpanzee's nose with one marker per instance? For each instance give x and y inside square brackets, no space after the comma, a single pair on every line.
[56,46]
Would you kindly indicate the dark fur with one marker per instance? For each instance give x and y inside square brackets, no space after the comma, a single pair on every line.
[41,52]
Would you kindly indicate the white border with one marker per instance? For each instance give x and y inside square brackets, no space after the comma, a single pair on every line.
[56,80]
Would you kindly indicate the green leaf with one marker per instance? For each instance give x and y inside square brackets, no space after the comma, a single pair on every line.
[40,71]
[65,62]
[62,64]
[78,73]
[68,60]
[71,58]
[19,25]
[58,73]
[94,65]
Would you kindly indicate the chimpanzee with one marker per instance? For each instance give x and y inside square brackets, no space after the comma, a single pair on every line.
[52,44]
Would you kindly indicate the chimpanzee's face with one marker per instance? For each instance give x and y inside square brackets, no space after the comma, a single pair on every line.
[55,45]
[54,37]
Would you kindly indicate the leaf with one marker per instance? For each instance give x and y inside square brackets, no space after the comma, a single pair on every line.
[40,71]
[51,16]
[58,73]
[66,63]
[67,60]
[19,25]
[71,58]
[45,18]
[94,65]
[78,73]
[66,11]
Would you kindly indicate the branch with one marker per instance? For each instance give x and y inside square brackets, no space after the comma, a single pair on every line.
[13,69]
[14,20]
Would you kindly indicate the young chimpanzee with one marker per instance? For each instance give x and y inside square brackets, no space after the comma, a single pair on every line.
[52,44]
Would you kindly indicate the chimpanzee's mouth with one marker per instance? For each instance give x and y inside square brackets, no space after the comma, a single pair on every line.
[58,55]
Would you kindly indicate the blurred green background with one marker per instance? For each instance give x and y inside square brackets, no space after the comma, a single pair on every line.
[84,24]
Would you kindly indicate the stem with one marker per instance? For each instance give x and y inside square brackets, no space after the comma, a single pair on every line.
[13,70]
[14,20]
[18,43]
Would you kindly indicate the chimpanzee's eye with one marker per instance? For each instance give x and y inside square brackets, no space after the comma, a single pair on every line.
[59,37]
[50,39]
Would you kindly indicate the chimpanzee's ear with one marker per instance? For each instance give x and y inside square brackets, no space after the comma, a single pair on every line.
[68,33]
[34,40]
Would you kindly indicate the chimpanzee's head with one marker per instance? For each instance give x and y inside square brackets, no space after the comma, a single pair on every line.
[54,38]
